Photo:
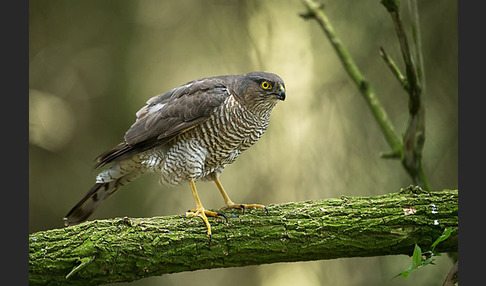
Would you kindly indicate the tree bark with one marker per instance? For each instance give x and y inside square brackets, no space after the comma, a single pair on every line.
[127,249]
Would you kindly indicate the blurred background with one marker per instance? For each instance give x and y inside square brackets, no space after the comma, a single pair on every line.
[93,64]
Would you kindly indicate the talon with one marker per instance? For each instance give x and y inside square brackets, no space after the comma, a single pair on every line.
[202,215]
[220,214]
[190,213]
[215,215]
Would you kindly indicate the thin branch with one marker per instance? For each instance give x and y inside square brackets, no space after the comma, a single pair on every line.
[127,249]
[411,70]
[416,41]
[394,69]
[315,11]
[414,137]
[409,148]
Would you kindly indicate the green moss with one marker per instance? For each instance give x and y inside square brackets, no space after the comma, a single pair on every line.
[128,249]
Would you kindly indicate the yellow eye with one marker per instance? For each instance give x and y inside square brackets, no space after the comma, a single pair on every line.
[266,85]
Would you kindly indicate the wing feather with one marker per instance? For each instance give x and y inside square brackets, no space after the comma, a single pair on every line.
[168,115]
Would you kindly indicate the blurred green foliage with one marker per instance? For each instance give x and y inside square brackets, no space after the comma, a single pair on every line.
[93,64]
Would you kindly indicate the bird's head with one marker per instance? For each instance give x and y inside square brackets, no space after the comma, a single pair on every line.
[261,89]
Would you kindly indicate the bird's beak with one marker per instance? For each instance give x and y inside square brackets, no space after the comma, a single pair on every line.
[281,93]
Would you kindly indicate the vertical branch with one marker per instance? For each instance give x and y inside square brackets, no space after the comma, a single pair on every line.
[409,148]
[411,70]
[315,11]
[414,137]
[416,41]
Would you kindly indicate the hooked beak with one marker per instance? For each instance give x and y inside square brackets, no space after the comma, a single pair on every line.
[281,93]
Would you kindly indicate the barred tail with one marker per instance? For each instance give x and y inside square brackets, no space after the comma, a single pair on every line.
[94,197]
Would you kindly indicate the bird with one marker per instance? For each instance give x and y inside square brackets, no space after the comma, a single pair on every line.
[188,134]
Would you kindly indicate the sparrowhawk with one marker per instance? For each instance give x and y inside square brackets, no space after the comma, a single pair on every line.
[187,134]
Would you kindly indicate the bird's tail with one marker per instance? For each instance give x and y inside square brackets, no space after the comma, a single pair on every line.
[95,196]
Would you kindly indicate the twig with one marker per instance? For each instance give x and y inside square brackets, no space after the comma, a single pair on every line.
[414,137]
[409,149]
[414,89]
[394,69]
[315,11]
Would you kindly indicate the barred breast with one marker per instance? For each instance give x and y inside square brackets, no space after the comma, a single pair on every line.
[210,146]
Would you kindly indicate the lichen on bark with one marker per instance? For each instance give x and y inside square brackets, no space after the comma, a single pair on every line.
[127,249]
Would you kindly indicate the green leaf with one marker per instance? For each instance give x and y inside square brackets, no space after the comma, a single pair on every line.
[444,236]
[416,262]
[427,261]
[405,273]
[416,257]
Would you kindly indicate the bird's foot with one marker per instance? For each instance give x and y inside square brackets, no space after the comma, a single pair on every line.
[194,212]
[204,214]
[244,207]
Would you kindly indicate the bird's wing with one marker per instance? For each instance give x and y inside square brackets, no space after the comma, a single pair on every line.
[168,115]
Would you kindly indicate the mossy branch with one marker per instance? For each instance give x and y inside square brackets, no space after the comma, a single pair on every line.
[106,251]
[409,149]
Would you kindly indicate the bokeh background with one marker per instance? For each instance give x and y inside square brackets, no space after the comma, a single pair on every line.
[93,64]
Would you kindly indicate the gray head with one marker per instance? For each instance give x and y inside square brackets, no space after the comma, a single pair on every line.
[260,89]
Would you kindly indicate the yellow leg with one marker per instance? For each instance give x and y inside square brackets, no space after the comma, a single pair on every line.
[199,211]
[229,203]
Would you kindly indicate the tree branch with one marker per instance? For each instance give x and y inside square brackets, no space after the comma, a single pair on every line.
[106,251]
[414,137]
[315,11]
[409,149]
